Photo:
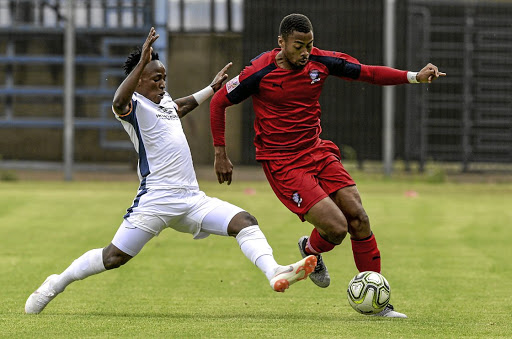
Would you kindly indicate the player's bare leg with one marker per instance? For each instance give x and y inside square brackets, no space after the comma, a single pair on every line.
[330,230]
[364,245]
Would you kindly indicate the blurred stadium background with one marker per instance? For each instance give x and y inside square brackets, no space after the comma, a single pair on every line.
[60,63]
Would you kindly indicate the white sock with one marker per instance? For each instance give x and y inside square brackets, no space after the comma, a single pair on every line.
[268,265]
[254,245]
[88,264]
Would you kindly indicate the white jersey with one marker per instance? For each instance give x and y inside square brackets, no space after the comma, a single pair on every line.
[155,130]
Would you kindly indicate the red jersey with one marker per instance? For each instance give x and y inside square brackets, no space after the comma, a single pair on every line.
[287,111]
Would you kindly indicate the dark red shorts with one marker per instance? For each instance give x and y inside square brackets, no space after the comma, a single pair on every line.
[303,180]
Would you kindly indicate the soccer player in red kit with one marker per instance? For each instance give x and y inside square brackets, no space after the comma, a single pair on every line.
[305,171]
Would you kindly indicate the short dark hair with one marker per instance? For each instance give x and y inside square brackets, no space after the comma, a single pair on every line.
[294,22]
[134,58]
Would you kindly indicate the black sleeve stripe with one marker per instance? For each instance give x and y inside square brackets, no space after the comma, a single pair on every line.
[338,67]
[255,58]
[250,85]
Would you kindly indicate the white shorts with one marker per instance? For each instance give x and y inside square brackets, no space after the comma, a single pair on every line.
[185,210]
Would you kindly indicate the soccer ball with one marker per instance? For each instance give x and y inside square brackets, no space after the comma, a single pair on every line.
[368,292]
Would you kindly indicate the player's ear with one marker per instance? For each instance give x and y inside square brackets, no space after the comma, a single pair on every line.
[280,41]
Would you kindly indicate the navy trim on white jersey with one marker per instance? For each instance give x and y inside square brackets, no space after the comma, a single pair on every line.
[143,159]
[157,135]
[142,190]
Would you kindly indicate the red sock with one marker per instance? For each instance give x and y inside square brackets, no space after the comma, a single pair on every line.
[316,244]
[366,254]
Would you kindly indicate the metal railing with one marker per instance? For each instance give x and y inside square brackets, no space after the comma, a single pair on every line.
[183,15]
[101,27]
[466,117]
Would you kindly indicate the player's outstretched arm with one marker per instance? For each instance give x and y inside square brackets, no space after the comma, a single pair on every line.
[429,73]
[188,103]
[124,92]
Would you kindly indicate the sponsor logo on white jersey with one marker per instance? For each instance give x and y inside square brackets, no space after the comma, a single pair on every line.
[167,113]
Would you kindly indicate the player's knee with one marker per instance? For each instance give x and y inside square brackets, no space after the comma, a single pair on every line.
[336,235]
[360,223]
[240,221]
[336,231]
[114,259]
[112,262]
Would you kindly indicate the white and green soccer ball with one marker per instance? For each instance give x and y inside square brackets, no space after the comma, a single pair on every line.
[368,292]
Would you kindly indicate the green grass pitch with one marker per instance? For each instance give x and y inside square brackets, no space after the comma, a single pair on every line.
[446,252]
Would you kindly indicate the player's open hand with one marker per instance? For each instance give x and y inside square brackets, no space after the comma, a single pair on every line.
[147,48]
[429,73]
[220,77]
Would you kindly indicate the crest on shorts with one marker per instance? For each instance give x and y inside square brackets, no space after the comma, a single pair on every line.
[296,198]
[314,75]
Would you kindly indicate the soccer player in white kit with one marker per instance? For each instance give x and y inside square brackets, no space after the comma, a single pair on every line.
[169,194]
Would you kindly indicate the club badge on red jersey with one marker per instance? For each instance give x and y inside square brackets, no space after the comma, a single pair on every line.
[314,75]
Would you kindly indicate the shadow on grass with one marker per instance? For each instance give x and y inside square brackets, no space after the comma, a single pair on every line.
[249,316]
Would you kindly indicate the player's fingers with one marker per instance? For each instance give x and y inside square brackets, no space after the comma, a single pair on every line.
[223,71]
[226,177]
[220,80]
[149,40]
[151,33]
[229,64]
[229,178]
[219,177]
